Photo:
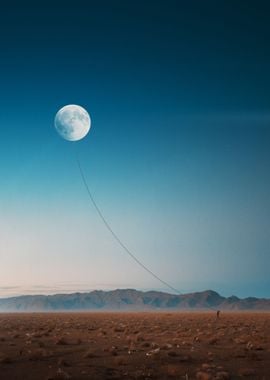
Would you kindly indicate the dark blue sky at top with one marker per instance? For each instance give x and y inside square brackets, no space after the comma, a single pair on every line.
[179,96]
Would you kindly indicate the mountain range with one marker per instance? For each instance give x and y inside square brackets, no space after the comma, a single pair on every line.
[131,299]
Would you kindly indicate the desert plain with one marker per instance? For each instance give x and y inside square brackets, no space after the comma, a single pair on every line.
[135,345]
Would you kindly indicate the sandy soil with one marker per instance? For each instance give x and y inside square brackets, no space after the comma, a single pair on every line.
[134,346]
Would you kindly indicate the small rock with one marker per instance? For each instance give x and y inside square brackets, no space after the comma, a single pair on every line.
[213,340]
[89,355]
[247,372]
[62,374]
[63,363]
[153,352]
[113,350]
[206,366]
[167,346]
[61,341]
[203,376]
[5,359]
[172,370]
[185,358]
[223,375]
[172,353]
[146,344]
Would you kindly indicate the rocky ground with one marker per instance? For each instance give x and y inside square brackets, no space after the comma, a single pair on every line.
[135,346]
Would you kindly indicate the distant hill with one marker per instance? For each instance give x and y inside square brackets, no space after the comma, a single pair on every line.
[130,299]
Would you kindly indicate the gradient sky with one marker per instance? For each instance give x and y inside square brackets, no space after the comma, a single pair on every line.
[177,158]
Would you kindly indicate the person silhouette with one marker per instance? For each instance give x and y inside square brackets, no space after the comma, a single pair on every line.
[218,313]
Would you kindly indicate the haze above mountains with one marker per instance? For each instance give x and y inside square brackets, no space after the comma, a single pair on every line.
[130,299]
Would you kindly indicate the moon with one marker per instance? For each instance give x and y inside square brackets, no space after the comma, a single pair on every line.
[72,122]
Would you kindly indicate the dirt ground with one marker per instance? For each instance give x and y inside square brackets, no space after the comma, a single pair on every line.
[134,346]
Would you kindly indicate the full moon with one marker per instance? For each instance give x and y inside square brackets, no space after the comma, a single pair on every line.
[72,122]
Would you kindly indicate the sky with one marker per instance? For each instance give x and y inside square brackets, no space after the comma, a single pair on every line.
[177,157]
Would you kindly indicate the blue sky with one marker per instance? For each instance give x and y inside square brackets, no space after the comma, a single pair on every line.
[177,156]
